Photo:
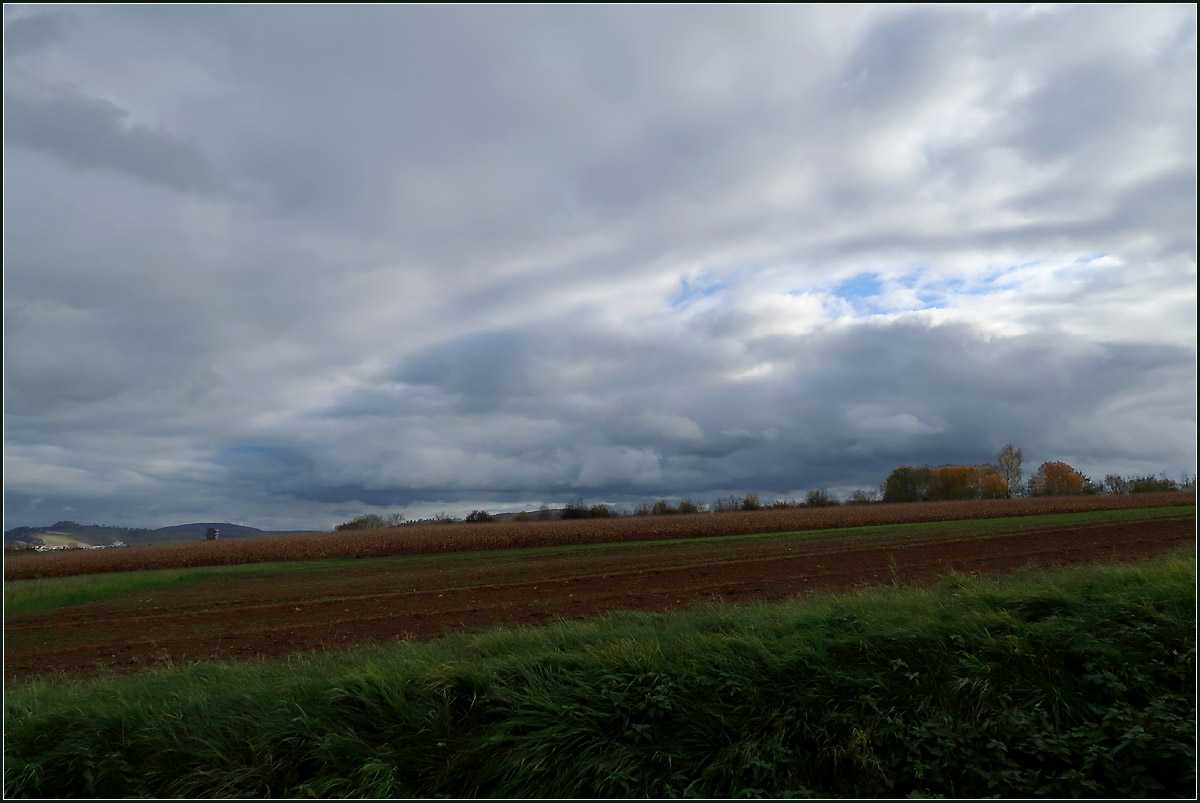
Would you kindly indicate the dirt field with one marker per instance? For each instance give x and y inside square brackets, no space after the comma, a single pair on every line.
[439,538]
[270,615]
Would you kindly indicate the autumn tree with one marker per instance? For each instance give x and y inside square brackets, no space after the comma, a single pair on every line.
[1009,461]
[908,484]
[966,482]
[993,486]
[1056,479]
[952,482]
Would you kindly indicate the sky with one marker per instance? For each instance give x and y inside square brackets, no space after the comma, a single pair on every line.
[286,265]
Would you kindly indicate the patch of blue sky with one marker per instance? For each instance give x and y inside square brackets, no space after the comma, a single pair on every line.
[860,286]
[861,290]
[959,287]
[869,292]
[991,281]
[1090,258]
[700,288]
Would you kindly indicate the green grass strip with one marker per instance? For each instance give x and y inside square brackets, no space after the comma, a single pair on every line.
[1070,683]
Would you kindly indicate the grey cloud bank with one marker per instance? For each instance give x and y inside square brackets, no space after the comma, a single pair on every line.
[282,265]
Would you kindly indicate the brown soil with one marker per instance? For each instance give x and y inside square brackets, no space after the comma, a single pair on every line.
[271,615]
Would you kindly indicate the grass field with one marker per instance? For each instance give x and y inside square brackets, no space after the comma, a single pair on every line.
[1073,683]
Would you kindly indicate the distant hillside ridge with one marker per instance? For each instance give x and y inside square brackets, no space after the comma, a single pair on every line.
[73,533]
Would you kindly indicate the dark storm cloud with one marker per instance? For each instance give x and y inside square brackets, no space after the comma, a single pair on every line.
[92,132]
[483,369]
[33,32]
[841,409]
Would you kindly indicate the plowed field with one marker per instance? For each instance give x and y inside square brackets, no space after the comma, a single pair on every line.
[439,538]
[273,614]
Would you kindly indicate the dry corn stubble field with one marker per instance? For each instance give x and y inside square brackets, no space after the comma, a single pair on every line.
[263,614]
[438,538]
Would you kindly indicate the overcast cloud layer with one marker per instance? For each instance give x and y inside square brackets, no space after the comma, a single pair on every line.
[283,266]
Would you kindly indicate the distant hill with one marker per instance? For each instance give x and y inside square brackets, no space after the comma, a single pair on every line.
[73,533]
[554,513]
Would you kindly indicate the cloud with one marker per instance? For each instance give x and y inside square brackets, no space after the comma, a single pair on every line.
[33,32]
[90,132]
[313,260]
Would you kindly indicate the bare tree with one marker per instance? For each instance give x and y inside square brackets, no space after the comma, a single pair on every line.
[1009,461]
[1116,484]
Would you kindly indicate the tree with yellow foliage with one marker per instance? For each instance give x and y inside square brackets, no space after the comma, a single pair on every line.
[1056,479]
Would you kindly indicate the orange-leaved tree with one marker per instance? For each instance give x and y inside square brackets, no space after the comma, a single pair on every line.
[909,484]
[1056,479]
[966,482]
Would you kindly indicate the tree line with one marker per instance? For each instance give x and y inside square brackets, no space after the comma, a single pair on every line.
[1002,479]
[999,480]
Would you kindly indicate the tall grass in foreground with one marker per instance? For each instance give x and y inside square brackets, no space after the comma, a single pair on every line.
[1069,683]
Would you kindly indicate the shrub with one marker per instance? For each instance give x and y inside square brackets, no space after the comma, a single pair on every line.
[861,497]
[522,516]
[480,516]
[751,502]
[371,521]
[820,498]
[1149,485]
[575,510]
[663,508]
[643,509]
[578,510]
[1116,484]
[727,505]
[688,506]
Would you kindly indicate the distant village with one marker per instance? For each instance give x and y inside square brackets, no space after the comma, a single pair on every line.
[58,547]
